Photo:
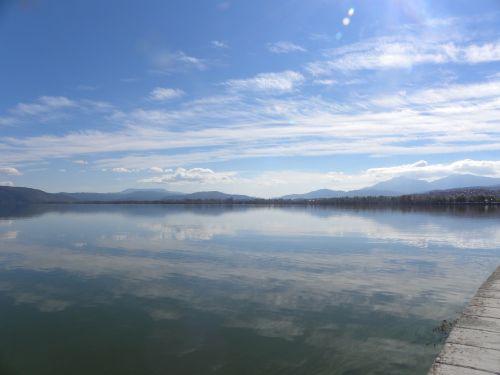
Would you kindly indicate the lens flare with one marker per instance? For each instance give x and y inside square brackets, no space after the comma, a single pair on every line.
[346,21]
[350,12]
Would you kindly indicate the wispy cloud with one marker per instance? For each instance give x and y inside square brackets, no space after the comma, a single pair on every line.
[444,95]
[218,44]
[10,171]
[49,108]
[165,93]
[6,183]
[156,169]
[402,53]
[482,53]
[285,47]
[422,122]
[44,104]
[268,82]
[121,170]
[426,170]
[325,82]
[193,175]
[81,162]
[7,120]
[169,62]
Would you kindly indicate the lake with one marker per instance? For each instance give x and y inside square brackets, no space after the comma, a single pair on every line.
[166,289]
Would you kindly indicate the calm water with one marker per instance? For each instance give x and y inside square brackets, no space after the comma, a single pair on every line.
[200,290]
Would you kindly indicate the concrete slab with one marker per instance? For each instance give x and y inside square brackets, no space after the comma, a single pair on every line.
[473,346]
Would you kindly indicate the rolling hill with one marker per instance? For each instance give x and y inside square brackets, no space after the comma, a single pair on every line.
[15,195]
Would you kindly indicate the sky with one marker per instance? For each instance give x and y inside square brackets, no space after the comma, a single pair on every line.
[254,97]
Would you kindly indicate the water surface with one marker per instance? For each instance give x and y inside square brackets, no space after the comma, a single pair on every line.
[234,290]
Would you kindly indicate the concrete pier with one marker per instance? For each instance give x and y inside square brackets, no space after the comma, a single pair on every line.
[473,346]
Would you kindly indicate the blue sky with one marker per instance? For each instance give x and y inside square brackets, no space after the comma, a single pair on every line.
[255,97]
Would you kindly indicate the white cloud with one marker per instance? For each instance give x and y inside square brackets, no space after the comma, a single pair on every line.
[121,170]
[193,175]
[441,120]
[423,169]
[6,183]
[48,108]
[219,44]
[285,47]
[81,162]
[268,82]
[156,169]
[325,82]
[443,95]
[10,171]
[165,93]
[44,104]
[86,105]
[402,53]
[168,62]
[482,53]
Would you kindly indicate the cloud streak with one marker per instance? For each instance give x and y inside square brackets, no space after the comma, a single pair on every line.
[285,47]
[450,119]
[169,62]
[402,53]
[165,93]
[423,169]
[10,171]
[281,82]
[194,175]
[218,44]
[44,104]
[121,170]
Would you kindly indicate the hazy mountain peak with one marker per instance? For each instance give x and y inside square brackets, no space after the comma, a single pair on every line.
[401,185]
[316,194]
[128,191]
[463,180]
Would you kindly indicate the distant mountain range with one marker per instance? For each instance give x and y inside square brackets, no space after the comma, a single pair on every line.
[126,195]
[10,194]
[154,195]
[404,185]
[393,187]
